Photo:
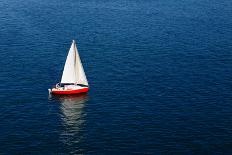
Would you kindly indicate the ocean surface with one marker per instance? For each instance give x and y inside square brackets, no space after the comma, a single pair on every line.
[160,76]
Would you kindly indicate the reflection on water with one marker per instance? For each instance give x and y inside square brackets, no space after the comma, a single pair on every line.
[73,118]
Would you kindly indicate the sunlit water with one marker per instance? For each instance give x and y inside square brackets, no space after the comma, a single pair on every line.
[159,71]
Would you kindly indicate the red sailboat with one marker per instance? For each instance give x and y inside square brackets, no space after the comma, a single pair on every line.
[73,79]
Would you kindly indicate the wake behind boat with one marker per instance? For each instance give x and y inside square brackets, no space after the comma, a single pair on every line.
[73,79]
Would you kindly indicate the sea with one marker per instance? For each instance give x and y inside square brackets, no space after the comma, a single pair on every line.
[159,72]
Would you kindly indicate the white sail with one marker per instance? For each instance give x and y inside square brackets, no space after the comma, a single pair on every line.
[80,73]
[73,70]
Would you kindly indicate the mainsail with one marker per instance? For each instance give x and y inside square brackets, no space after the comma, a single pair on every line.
[73,70]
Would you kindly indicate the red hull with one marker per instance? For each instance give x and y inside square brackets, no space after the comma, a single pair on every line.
[68,92]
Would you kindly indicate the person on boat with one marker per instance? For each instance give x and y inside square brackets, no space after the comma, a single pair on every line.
[58,85]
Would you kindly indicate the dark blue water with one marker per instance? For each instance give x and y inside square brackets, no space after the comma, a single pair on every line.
[160,75]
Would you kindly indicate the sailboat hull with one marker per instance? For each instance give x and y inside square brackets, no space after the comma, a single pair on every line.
[68,92]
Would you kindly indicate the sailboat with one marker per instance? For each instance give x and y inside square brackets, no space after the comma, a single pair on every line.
[73,79]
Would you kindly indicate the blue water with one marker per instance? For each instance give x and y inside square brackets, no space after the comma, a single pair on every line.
[160,75]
